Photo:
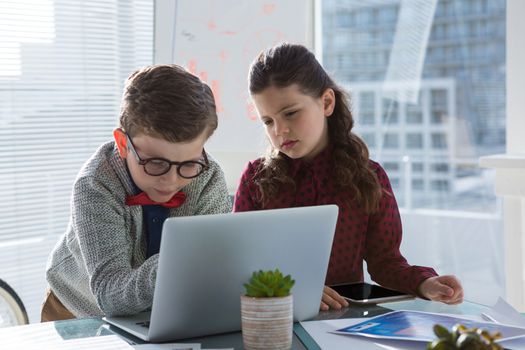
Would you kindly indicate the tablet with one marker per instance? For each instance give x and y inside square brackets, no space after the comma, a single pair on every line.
[366,293]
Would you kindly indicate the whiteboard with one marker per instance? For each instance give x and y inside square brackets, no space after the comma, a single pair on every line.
[217,40]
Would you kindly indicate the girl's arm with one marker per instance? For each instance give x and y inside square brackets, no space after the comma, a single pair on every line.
[385,263]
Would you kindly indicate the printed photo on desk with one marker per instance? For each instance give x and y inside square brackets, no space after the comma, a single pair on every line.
[417,326]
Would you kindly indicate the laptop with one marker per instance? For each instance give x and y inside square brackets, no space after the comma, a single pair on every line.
[205,260]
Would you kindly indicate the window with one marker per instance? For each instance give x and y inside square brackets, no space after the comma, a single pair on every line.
[366,101]
[414,141]
[441,105]
[439,141]
[62,73]
[439,32]
[366,108]
[390,111]
[439,117]
[391,166]
[439,98]
[340,40]
[418,184]
[414,114]
[391,140]
[369,138]
[440,167]
[394,181]
[417,167]
[439,185]
[344,19]
[387,14]
[366,118]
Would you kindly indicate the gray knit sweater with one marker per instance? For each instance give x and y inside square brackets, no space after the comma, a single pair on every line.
[99,265]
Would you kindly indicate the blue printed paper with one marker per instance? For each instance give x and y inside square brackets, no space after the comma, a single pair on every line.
[418,326]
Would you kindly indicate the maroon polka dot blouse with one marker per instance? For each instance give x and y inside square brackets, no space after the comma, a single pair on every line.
[359,236]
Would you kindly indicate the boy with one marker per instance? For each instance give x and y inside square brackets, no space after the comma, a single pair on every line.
[156,167]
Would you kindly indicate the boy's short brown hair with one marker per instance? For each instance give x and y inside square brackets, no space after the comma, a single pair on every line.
[167,101]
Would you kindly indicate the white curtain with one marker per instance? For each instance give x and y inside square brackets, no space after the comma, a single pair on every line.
[62,68]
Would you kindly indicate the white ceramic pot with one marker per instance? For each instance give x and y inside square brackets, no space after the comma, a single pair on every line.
[267,323]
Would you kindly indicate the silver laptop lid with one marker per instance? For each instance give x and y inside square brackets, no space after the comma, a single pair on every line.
[205,260]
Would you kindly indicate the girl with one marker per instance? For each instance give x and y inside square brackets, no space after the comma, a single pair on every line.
[315,159]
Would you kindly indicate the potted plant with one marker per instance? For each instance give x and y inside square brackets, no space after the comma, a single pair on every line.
[267,311]
[463,338]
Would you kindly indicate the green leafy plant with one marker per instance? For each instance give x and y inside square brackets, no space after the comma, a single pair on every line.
[463,338]
[264,284]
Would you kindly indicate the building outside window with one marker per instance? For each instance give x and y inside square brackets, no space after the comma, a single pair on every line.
[461,95]
[414,141]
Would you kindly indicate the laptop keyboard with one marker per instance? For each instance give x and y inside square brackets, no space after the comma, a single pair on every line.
[143,324]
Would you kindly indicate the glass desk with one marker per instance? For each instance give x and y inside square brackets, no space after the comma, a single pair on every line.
[95,327]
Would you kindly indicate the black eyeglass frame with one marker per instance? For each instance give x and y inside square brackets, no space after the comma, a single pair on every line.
[178,165]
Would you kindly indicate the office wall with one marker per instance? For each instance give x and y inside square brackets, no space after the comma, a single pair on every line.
[217,40]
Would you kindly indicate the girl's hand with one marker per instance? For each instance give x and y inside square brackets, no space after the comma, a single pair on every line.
[332,300]
[446,289]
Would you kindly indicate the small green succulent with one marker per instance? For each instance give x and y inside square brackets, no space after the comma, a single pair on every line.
[265,284]
[463,338]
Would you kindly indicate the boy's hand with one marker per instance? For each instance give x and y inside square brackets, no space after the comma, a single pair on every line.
[332,300]
[446,289]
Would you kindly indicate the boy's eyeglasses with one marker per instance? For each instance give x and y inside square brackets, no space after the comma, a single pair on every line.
[160,166]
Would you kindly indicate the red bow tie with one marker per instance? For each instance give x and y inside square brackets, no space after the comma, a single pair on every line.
[143,199]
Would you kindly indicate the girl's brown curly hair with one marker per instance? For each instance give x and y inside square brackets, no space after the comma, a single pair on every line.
[287,64]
